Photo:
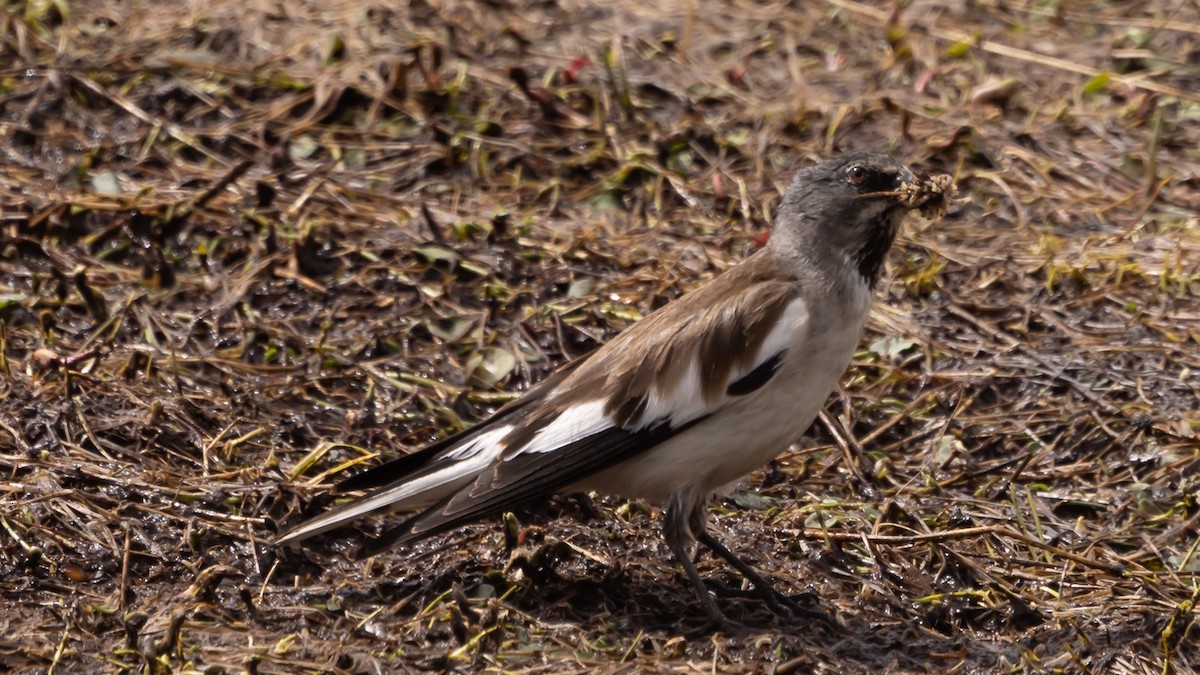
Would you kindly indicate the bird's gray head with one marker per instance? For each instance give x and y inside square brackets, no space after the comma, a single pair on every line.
[843,211]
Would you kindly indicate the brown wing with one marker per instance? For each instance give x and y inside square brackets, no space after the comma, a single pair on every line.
[719,330]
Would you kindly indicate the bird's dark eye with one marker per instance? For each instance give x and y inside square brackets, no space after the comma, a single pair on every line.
[856,175]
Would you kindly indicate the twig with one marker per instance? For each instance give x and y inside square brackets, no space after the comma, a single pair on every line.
[964,533]
[435,230]
[851,449]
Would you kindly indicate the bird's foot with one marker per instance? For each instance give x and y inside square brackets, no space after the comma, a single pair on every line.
[786,607]
[718,623]
[780,605]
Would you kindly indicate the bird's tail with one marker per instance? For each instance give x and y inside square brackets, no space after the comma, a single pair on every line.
[450,472]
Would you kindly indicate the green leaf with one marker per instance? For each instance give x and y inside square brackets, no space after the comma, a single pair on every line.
[474,268]
[8,300]
[958,50]
[605,201]
[491,365]
[436,254]
[1097,85]
[106,183]
[752,501]
[303,147]
[890,347]
[616,310]
[947,447]
[581,287]
[451,328]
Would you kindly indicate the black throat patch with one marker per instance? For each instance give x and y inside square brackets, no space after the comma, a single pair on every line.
[869,258]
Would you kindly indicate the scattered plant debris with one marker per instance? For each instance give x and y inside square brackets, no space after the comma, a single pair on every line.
[247,248]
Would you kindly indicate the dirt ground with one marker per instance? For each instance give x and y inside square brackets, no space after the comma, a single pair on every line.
[248,248]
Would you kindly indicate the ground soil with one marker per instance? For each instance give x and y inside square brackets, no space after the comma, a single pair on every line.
[248,248]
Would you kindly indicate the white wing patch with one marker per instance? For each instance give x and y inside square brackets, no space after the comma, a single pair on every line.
[788,332]
[686,402]
[576,422]
[488,442]
[681,406]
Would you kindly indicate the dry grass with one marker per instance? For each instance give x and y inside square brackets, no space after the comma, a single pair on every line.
[247,247]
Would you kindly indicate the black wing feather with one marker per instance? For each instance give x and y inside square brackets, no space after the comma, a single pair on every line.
[523,478]
[755,379]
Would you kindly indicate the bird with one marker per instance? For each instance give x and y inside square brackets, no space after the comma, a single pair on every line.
[684,402]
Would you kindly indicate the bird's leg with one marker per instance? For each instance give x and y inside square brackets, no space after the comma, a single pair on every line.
[778,602]
[706,599]
[677,530]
